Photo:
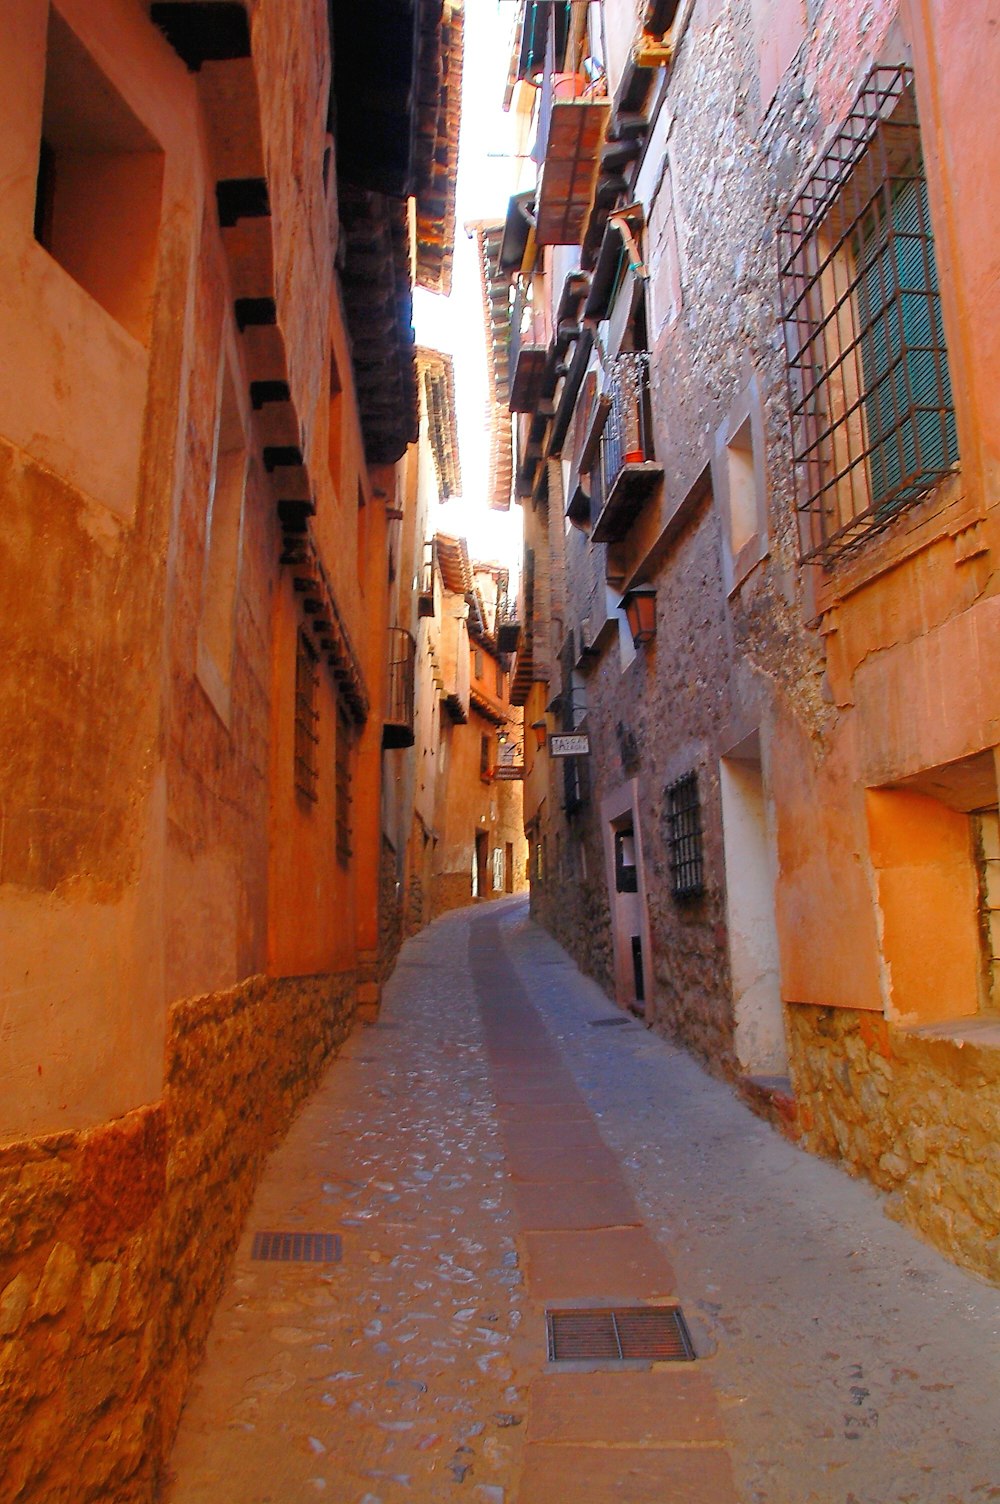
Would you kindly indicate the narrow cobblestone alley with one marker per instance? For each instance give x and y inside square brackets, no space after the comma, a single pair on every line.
[483,1151]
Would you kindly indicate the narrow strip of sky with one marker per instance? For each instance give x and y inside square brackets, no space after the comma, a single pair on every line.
[455,325]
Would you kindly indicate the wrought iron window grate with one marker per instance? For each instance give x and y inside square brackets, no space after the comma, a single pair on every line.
[306,718]
[872,413]
[684,838]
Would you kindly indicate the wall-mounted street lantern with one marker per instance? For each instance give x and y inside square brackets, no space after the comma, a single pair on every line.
[639,605]
[539,728]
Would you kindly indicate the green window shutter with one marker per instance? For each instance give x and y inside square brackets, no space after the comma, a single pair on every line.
[907,398]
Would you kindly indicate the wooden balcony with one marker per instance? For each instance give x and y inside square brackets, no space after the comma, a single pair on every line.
[628,472]
[570,165]
[527,374]
[508,629]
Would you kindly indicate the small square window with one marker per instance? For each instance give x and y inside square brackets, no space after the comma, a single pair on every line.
[100,184]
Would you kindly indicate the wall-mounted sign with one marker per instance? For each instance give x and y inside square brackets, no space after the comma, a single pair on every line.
[577,745]
[508,772]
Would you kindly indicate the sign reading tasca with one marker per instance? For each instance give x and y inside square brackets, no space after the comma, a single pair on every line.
[569,746]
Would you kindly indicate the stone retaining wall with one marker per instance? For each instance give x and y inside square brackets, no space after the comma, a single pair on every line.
[114,1242]
[919,1117]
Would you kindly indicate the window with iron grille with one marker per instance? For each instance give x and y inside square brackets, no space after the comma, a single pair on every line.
[306,718]
[684,839]
[872,413]
[342,772]
[485,756]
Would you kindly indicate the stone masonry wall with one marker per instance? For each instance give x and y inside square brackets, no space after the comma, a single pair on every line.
[390,911]
[919,1117]
[578,914]
[114,1242]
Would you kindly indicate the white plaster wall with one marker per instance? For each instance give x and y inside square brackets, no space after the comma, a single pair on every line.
[753,940]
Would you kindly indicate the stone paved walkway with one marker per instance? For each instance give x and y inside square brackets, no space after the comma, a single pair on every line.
[483,1151]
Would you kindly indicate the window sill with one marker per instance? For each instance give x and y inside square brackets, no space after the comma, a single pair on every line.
[981,1030]
[946,512]
[750,557]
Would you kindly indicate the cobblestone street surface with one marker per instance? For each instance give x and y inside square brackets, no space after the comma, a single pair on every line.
[483,1152]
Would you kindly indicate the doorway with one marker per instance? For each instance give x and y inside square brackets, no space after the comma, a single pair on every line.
[627,896]
[751,876]
[480,866]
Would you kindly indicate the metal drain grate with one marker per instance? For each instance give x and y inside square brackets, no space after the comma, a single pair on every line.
[297,1247]
[628,1334]
[608,1023]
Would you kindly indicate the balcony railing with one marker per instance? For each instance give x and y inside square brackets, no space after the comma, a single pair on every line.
[508,626]
[627,466]
[397,730]
[425,595]
[527,355]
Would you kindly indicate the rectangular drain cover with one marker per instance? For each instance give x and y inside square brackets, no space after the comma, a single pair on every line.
[297,1247]
[627,1334]
[607,1023]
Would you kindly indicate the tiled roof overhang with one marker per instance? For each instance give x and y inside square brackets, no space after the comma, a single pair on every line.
[375,278]
[439,118]
[438,375]
[495,287]
[394,113]
[376,56]
[453,561]
[485,707]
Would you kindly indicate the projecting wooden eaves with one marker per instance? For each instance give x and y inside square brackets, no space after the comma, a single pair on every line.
[375,279]
[495,287]
[453,561]
[438,377]
[395,111]
[439,118]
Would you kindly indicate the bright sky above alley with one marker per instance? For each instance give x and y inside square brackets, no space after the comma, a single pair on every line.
[455,324]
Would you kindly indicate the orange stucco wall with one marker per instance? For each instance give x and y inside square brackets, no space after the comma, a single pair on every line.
[143,785]
[910,624]
[89,426]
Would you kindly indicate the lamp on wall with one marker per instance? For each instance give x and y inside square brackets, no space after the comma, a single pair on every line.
[639,605]
[539,728]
